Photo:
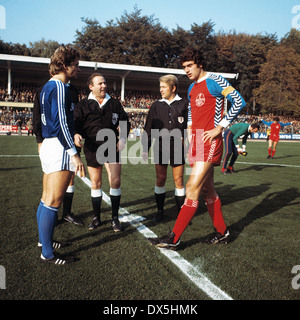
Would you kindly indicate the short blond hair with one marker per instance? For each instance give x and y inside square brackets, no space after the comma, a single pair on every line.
[170,79]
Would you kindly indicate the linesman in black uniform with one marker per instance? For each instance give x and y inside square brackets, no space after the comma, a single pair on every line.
[166,121]
[96,119]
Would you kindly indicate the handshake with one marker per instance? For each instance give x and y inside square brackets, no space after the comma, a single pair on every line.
[241,151]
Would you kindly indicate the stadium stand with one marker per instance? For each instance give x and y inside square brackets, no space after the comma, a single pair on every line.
[24,75]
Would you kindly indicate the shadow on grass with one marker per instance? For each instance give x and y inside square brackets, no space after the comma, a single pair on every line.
[269,205]
[229,194]
[259,167]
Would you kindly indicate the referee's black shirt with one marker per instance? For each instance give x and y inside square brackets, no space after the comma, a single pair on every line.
[165,116]
[89,118]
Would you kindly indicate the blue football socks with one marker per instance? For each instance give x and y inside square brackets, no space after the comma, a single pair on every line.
[46,224]
[38,213]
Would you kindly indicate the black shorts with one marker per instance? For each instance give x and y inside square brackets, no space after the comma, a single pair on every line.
[96,155]
[169,153]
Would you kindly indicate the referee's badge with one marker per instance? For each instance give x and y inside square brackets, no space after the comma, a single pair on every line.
[115,117]
[180,119]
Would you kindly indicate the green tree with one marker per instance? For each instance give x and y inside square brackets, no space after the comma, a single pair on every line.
[244,54]
[250,56]
[142,40]
[14,48]
[279,91]
[132,39]
[90,38]
[177,42]
[203,37]
[43,48]
[292,39]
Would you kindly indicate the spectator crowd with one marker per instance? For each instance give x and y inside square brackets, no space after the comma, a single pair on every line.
[142,100]
[294,129]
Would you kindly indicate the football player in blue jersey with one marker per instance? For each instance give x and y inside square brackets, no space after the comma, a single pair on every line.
[37,130]
[58,154]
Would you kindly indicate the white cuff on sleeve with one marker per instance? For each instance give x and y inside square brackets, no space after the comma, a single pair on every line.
[72,151]
[224,123]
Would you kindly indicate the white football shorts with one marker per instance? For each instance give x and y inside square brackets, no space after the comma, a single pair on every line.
[54,157]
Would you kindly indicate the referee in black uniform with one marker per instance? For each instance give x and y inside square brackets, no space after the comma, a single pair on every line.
[166,121]
[99,113]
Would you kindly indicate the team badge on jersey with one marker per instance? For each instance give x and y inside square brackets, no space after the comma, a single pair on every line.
[200,100]
[180,119]
[115,118]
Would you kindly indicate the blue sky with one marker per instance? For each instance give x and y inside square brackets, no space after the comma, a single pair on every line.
[24,21]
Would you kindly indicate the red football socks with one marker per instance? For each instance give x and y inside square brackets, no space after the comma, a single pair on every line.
[189,209]
[215,211]
[273,152]
[185,215]
[270,151]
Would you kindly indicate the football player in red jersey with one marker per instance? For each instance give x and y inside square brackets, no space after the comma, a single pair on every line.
[274,135]
[206,95]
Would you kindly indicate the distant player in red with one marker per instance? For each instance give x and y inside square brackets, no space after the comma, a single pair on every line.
[206,95]
[274,135]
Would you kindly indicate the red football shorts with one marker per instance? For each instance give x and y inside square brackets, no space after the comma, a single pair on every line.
[205,152]
[274,137]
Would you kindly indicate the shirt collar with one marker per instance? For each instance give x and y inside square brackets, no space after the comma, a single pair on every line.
[176,98]
[92,97]
[203,78]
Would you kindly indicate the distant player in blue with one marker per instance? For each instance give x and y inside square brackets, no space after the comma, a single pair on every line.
[58,154]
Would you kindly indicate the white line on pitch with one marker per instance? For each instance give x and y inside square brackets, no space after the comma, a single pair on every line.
[269,164]
[198,278]
[252,163]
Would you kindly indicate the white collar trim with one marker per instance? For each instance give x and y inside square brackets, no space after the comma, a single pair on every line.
[203,78]
[176,98]
[92,97]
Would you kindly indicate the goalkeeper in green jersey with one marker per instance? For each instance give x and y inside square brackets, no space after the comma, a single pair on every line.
[232,148]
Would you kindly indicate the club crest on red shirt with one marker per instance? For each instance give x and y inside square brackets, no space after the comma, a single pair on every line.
[200,100]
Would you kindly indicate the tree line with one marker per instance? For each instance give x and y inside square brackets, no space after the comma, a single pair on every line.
[268,67]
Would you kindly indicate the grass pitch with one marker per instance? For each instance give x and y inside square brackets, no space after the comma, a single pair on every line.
[260,205]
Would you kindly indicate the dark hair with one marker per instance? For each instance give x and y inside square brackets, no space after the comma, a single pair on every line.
[92,76]
[255,126]
[62,57]
[276,119]
[192,54]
